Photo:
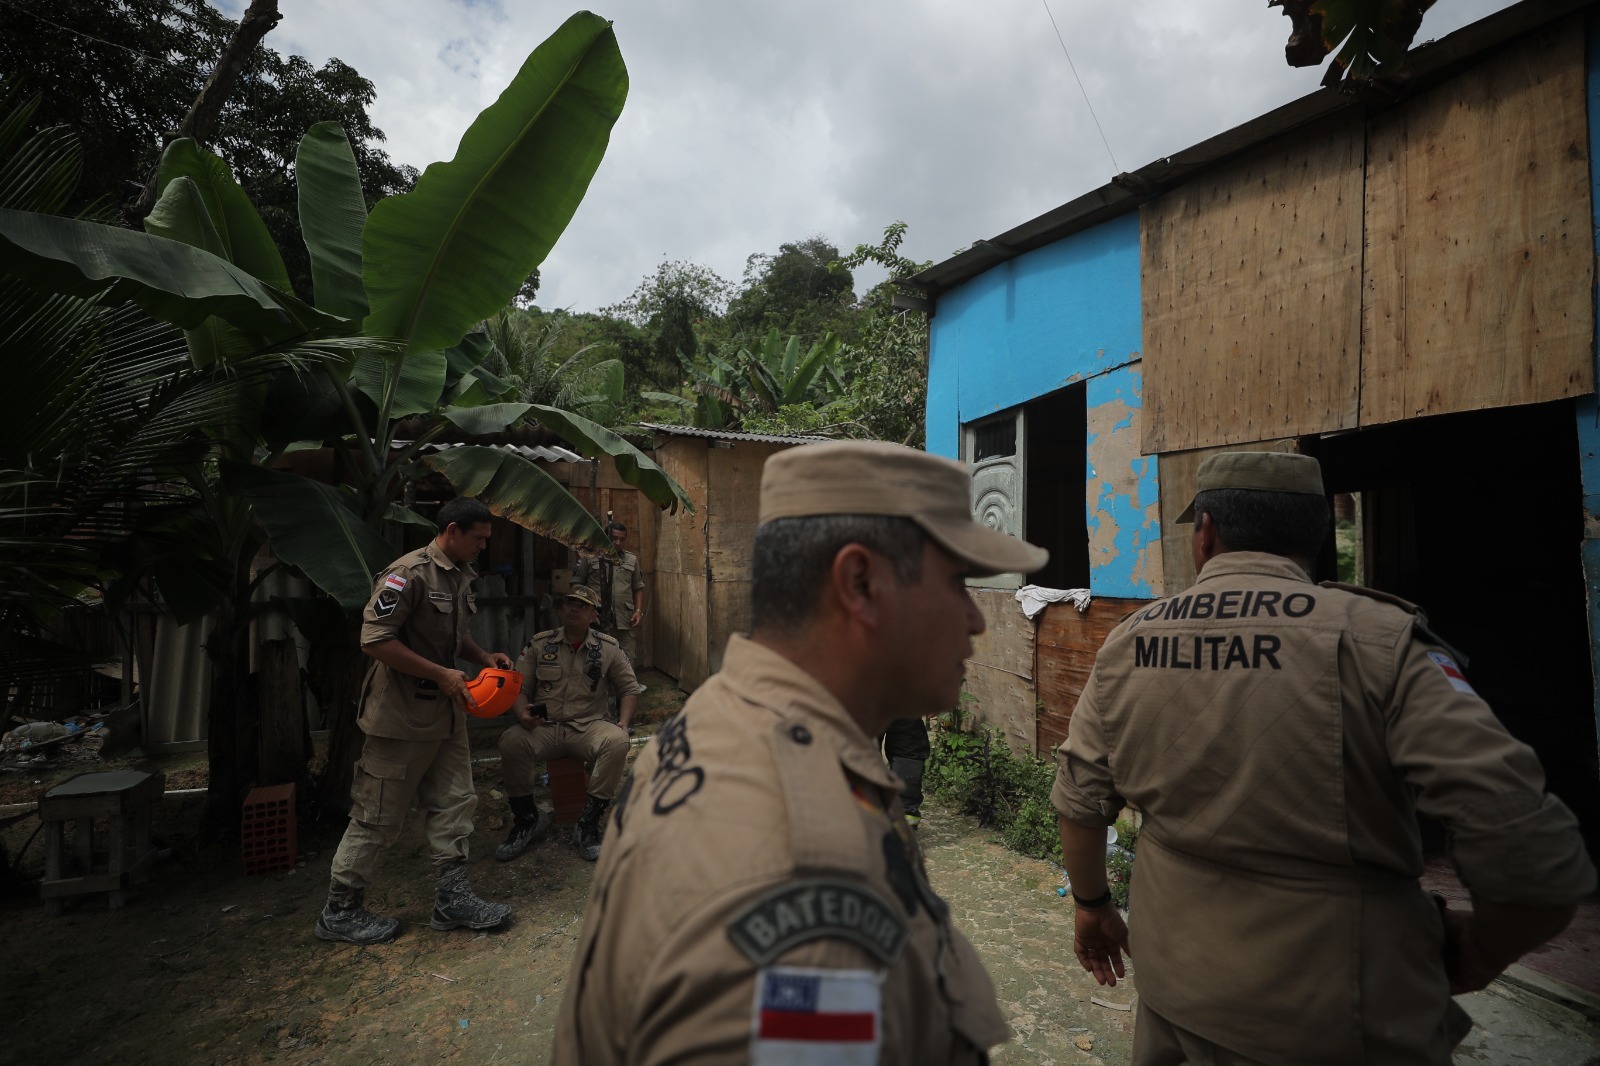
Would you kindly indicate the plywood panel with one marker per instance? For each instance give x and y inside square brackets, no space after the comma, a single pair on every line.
[733,502]
[680,642]
[1480,263]
[1252,296]
[730,614]
[1007,640]
[1004,702]
[1067,643]
[1177,475]
[681,547]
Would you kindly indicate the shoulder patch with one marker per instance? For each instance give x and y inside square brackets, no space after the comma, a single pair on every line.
[1452,672]
[827,1017]
[385,604]
[395,581]
[815,908]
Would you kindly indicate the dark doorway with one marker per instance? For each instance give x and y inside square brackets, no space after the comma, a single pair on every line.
[1057,426]
[1477,517]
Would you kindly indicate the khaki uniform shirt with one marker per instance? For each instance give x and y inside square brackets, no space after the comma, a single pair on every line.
[626,579]
[426,602]
[574,684]
[760,895]
[1280,738]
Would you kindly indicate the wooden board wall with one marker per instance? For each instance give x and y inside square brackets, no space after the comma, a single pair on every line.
[1066,644]
[679,646]
[1177,473]
[1251,296]
[1000,672]
[1480,259]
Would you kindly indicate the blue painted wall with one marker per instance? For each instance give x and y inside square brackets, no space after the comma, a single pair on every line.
[1061,314]
[1054,316]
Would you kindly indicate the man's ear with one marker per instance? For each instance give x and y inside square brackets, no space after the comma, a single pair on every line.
[855,583]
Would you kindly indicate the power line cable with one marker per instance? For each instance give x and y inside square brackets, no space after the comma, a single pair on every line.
[91,37]
[1081,89]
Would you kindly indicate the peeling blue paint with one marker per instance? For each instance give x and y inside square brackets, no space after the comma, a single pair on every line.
[1126,495]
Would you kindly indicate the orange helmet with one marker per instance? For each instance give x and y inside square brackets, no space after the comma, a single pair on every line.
[495,690]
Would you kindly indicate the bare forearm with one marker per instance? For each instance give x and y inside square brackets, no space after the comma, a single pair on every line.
[474,654]
[1083,853]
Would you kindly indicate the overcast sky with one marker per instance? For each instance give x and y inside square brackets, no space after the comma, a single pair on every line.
[754,122]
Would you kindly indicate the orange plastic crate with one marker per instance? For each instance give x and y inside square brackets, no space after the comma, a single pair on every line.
[268,831]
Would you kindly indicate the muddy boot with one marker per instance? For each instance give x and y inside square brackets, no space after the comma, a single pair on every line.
[586,834]
[528,827]
[345,918]
[910,771]
[455,905]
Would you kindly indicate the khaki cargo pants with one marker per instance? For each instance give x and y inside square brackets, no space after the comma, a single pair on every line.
[600,745]
[390,775]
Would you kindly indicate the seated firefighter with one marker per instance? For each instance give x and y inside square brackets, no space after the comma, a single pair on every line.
[567,676]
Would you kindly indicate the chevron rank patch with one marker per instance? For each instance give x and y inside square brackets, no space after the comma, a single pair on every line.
[385,604]
[809,1016]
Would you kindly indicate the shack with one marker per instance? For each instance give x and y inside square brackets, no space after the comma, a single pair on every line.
[702,560]
[1403,287]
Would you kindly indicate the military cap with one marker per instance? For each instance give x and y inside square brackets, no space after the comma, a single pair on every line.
[876,478]
[1258,472]
[584,594]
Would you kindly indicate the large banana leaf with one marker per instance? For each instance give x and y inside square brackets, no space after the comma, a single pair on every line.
[332,214]
[415,382]
[245,240]
[468,383]
[454,249]
[171,281]
[182,214]
[313,530]
[636,468]
[486,418]
[517,490]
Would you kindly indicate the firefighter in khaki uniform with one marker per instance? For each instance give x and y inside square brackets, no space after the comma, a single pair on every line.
[623,595]
[567,676]
[414,628]
[761,898]
[1281,738]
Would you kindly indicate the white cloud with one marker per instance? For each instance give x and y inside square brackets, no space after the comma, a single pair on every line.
[750,124]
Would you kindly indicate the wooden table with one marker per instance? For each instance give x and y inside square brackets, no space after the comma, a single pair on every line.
[126,799]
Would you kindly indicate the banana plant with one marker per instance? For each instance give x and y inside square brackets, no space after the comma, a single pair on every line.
[1371,36]
[401,289]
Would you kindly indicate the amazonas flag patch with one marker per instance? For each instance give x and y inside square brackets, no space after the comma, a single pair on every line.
[1458,680]
[808,1016]
[396,582]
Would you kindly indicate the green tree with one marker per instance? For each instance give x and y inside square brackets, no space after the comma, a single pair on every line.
[803,289]
[886,366]
[673,309]
[1371,36]
[528,354]
[122,74]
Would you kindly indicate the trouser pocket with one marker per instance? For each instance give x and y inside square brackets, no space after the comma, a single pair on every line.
[380,792]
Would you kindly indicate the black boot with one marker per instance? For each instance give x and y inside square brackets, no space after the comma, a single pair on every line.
[456,905]
[586,834]
[528,827]
[345,918]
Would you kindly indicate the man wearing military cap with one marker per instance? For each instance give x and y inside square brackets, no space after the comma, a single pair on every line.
[567,676]
[413,703]
[1281,738]
[761,895]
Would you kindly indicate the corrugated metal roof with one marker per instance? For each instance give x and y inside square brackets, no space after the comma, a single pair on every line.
[1428,64]
[727,434]
[549,452]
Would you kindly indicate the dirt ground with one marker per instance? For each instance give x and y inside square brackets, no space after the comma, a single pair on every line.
[206,965]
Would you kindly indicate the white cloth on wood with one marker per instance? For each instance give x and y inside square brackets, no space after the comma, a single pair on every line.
[1034,597]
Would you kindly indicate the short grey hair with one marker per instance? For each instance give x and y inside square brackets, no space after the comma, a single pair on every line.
[792,557]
